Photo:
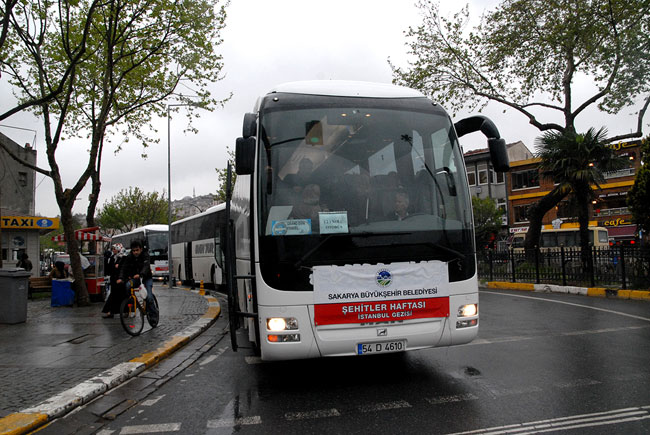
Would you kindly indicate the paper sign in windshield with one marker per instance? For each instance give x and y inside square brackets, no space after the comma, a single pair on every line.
[291,227]
[378,293]
[333,222]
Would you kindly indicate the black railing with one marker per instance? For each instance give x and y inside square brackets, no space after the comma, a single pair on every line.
[618,266]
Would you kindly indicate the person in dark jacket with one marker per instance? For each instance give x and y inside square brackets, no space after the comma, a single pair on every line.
[58,271]
[137,267]
[25,262]
[113,268]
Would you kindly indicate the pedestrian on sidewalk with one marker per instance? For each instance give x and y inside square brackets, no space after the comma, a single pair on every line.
[113,268]
[24,262]
[59,271]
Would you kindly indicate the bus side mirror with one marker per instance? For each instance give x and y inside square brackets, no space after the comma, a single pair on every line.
[244,155]
[496,145]
[250,125]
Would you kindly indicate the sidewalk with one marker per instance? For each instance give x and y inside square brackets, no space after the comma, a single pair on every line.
[62,357]
[600,292]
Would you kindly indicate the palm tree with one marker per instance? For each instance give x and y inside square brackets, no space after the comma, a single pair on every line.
[576,163]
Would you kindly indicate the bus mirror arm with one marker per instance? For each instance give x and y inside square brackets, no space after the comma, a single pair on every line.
[496,145]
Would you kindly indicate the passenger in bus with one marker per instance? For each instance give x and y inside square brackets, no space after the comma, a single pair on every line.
[289,191]
[309,206]
[359,201]
[401,206]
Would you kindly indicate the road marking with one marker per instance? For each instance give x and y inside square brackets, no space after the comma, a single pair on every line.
[151,428]
[385,406]
[232,422]
[208,360]
[250,360]
[450,399]
[617,416]
[105,432]
[320,413]
[151,402]
[577,383]
[570,303]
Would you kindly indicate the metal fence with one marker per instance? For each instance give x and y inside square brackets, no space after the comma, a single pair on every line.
[618,266]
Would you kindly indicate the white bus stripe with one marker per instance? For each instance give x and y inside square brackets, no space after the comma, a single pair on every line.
[151,428]
[320,413]
[232,422]
[568,303]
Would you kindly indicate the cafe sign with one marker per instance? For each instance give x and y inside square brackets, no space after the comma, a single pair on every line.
[616,222]
[29,223]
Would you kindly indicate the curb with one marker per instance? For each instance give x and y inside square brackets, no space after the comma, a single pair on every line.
[56,406]
[599,292]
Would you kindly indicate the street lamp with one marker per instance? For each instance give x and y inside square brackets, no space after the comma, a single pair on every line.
[170,265]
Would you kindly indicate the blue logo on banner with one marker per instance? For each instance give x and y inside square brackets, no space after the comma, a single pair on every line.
[44,223]
[384,278]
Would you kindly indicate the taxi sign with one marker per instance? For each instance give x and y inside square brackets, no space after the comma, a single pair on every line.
[29,222]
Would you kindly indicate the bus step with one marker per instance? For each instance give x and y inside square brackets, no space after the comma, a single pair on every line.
[244,276]
[245,314]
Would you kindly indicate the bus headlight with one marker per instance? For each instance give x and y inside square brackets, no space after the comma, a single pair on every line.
[281,323]
[469,310]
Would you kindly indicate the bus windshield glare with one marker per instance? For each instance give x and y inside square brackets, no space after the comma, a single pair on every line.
[347,180]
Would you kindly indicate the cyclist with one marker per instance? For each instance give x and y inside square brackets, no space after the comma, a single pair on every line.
[137,268]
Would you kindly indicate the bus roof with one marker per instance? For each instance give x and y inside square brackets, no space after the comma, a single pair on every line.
[152,227]
[345,88]
[213,209]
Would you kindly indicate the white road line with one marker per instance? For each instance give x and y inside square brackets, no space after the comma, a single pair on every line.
[569,303]
[151,428]
[105,432]
[450,399]
[385,406]
[567,423]
[232,422]
[208,360]
[577,383]
[151,402]
[250,360]
[320,413]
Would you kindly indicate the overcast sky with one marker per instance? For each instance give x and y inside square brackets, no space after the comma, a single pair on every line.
[266,42]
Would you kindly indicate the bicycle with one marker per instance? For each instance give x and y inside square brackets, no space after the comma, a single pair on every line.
[134,308]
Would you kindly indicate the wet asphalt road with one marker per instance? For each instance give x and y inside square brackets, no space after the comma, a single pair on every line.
[542,364]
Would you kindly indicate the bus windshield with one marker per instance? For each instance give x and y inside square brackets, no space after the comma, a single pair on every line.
[157,242]
[345,180]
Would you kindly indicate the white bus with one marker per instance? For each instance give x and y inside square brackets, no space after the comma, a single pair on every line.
[325,258]
[155,239]
[197,254]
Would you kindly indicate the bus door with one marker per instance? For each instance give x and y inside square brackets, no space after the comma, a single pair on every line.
[189,276]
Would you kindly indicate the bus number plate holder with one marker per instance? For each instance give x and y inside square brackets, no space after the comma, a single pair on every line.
[381,347]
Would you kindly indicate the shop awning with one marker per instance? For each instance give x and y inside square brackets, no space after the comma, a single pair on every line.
[622,231]
[84,234]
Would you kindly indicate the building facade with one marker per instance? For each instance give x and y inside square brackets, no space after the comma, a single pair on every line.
[526,186]
[484,182]
[19,225]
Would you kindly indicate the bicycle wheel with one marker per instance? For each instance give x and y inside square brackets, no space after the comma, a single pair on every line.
[153,316]
[132,316]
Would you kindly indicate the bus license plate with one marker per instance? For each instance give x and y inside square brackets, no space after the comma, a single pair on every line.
[381,347]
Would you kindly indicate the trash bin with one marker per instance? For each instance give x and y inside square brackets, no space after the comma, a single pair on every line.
[13,291]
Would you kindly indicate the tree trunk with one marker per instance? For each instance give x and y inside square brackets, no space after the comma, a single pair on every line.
[73,250]
[536,213]
[583,220]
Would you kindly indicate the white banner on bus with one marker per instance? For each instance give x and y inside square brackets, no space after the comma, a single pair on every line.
[380,282]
